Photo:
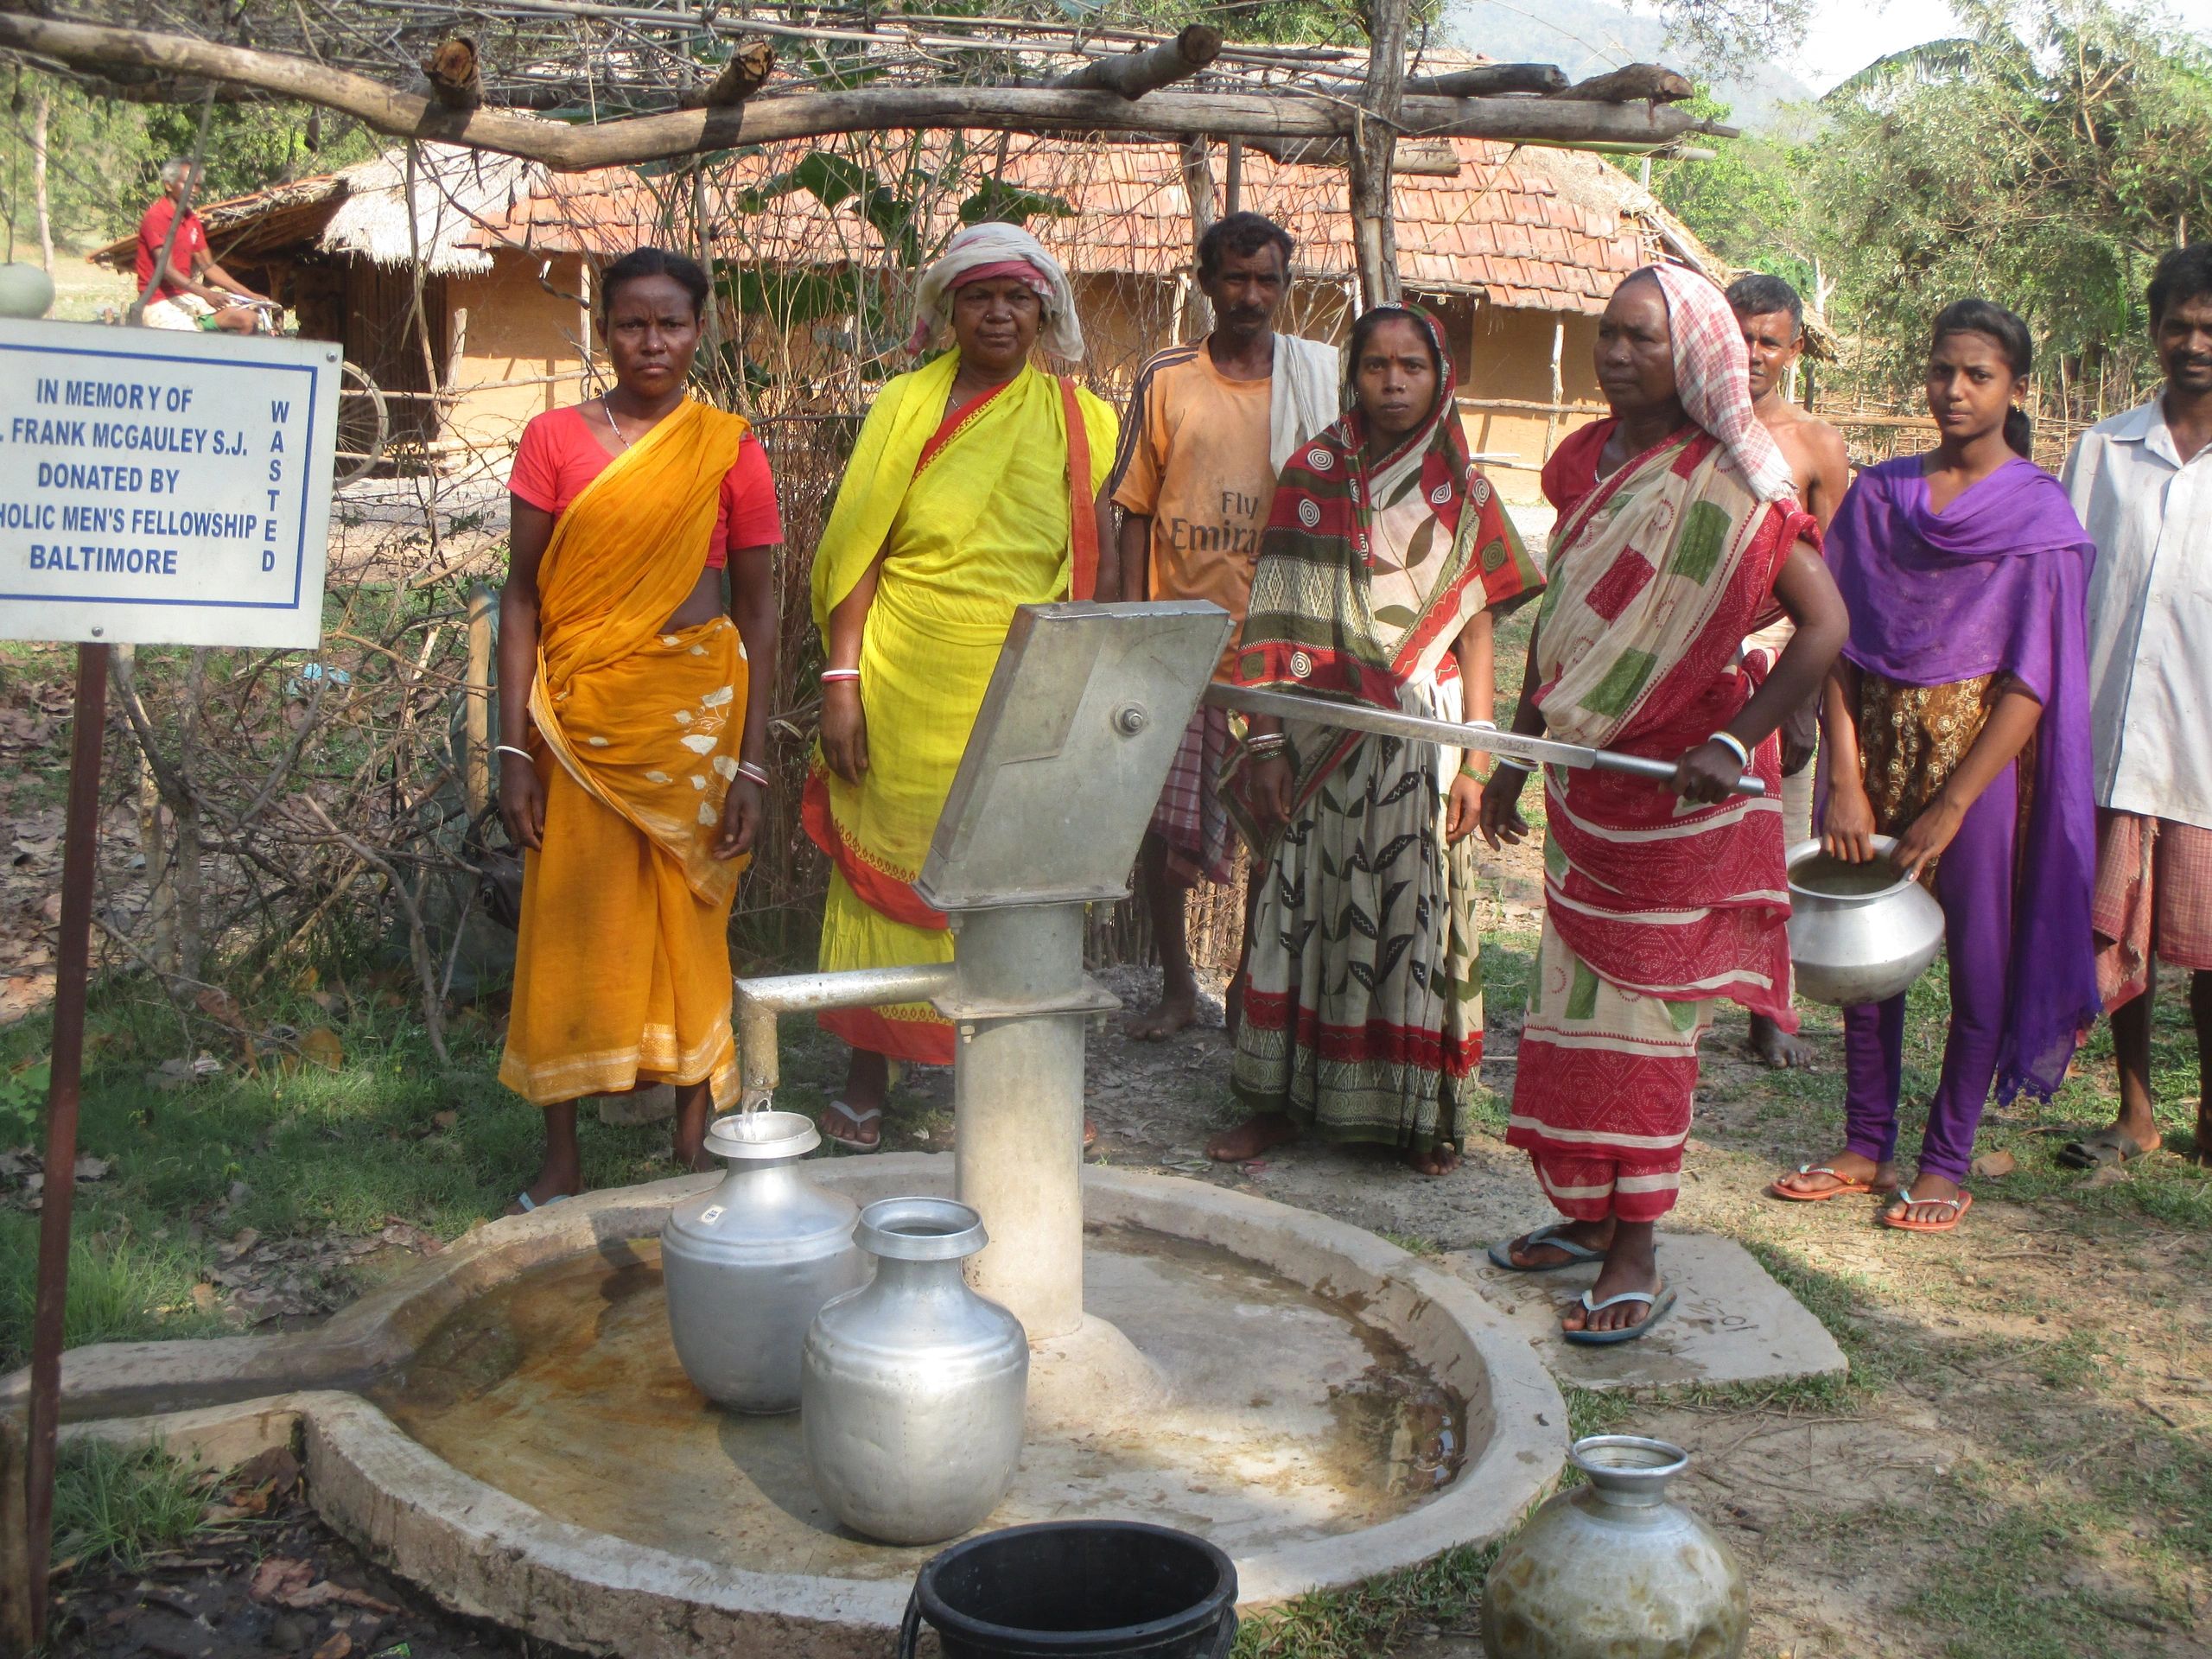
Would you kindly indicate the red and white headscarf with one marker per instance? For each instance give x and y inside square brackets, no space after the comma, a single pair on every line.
[1713,377]
[982,253]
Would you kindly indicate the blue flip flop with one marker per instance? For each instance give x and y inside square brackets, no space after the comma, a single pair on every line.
[529,1203]
[1661,1302]
[1502,1254]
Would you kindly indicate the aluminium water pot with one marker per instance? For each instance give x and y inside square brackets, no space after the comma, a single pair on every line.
[1858,933]
[749,1265]
[1610,1570]
[914,1386]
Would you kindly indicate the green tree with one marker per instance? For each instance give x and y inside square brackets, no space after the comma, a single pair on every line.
[2043,159]
[1748,206]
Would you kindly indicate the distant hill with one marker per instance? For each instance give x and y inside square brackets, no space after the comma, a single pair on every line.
[1586,36]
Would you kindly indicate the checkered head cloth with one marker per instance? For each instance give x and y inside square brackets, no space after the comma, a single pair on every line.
[1713,376]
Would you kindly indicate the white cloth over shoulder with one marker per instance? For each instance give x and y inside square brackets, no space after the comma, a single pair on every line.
[1305,397]
[2149,614]
[992,245]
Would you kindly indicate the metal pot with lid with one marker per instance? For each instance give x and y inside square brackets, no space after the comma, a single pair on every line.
[749,1264]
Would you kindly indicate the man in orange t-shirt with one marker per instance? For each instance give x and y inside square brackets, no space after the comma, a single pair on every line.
[1208,425]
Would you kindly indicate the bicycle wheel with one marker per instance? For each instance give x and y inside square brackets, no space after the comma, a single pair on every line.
[363,426]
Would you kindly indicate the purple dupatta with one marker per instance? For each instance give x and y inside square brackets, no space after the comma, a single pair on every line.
[1997,583]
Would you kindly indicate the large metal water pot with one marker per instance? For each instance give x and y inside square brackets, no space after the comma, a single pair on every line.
[1610,1570]
[749,1265]
[915,1385]
[1858,933]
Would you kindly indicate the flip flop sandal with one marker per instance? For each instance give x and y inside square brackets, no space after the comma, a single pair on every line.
[529,1203]
[1661,1302]
[2101,1148]
[1502,1254]
[1845,1186]
[1960,1205]
[856,1119]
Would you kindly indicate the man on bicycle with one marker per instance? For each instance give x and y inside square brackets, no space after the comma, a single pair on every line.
[194,291]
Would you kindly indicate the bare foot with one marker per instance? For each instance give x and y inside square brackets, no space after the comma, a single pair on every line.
[1771,1045]
[1591,1234]
[1631,1263]
[1927,1196]
[1258,1134]
[1440,1159]
[2200,1151]
[693,1102]
[1843,1171]
[1177,1010]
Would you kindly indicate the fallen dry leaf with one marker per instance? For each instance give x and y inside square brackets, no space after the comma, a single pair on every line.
[324,1593]
[337,1647]
[89,1168]
[219,1006]
[277,1576]
[203,1297]
[321,1047]
[444,1120]
[1993,1165]
[274,1468]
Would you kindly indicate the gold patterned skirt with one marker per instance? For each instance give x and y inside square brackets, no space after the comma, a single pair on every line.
[1911,739]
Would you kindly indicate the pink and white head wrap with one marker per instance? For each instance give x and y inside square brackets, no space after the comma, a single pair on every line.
[1713,377]
[983,252]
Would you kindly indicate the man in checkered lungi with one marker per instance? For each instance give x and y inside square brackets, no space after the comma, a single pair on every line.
[1209,426]
[2142,486]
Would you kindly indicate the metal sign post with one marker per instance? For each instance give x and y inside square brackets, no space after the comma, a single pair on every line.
[155,489]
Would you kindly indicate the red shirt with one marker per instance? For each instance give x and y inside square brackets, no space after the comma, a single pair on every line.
[1572,473]
[559,455]
[153,231]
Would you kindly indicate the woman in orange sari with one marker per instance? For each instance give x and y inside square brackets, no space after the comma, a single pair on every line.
[632,721]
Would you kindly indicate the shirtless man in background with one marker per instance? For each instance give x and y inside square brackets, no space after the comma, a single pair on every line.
[1773,319]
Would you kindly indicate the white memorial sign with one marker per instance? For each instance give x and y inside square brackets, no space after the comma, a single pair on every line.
[164,488]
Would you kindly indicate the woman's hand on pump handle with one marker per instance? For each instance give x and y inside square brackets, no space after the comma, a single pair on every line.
[522,802]
[844,729]
[1709,773]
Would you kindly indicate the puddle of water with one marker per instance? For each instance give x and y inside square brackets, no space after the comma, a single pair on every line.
[1291,1417]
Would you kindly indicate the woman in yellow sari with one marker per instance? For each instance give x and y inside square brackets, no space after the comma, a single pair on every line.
[973,489]
[632,720]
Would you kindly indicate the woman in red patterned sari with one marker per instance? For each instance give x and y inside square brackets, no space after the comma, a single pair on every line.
[1659,901]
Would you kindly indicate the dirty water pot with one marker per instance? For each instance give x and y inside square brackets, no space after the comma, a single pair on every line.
[1611,1570]
[1098,1589]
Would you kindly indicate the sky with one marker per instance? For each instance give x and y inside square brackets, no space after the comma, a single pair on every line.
[1848,35]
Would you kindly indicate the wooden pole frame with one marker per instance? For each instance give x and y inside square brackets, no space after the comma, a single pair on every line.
[1565,121]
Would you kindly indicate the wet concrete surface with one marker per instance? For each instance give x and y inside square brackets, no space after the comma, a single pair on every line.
[1291,1418]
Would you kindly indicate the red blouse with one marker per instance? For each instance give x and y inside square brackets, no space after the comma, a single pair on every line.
[559,455]
[1572,473]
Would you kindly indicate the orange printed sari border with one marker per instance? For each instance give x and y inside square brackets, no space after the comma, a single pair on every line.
[923,1039]
[882,890]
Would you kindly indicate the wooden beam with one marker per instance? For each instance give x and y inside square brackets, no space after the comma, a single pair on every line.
[1134,73]
[1435,158]
[1651,81]
[1487,80]
[1374,143]
[102,50]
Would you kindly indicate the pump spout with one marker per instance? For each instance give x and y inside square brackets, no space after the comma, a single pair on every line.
[759,1000]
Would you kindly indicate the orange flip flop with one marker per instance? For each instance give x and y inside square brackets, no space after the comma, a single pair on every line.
[1960,1205]
[1845,1186]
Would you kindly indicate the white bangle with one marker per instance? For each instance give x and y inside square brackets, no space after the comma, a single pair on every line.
[746,769]
[832,675]
[508,748]
[1735,745]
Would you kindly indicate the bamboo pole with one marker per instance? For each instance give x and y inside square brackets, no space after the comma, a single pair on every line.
[1197,190]
[1374,141]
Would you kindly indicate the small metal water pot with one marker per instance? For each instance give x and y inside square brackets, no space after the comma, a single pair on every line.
[1611,1570]
[1858,933]
[915,1387]
[749,1265]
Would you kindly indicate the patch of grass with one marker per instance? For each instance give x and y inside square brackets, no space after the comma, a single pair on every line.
[122,1288]
[1445,1592]
[1596,1411]
[122,1503]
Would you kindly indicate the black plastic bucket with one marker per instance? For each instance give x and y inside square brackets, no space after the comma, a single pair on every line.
[1099,1589]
